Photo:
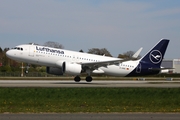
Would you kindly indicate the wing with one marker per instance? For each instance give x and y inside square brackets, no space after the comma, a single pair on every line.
[95,65]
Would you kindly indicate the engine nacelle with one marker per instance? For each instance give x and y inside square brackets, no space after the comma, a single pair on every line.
[65,67]
[54,70]
[72,68]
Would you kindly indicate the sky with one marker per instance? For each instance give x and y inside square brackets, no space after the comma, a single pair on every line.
[117,25]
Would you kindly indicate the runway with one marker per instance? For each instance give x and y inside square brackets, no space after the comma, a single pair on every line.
[95,83]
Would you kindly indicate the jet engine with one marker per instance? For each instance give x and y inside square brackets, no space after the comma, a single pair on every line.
[65,67]
[72,68]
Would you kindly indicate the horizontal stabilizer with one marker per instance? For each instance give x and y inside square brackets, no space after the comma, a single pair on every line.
[158,69]
[137,53]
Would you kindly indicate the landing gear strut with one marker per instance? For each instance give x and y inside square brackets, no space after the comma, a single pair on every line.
[27,68]
[88,78]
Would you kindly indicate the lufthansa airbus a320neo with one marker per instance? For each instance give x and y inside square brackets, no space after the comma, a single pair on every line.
[60,61]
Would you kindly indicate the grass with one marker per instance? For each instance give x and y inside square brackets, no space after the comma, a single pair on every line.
[55,100]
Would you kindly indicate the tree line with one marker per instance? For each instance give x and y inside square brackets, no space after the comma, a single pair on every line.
[8,65]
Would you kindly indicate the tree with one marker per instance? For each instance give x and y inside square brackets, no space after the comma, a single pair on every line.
[5,68]
[54,44]
[6,49]
[81,51]
[127,55]
[5,59]
[1,56]
[102,51]
[1,50]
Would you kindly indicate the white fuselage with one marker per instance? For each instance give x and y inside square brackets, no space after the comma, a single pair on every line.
[46,56]
[60,61]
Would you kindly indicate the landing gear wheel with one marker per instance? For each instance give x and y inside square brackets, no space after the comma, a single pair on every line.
[88,78]
[77,79]
[26,71]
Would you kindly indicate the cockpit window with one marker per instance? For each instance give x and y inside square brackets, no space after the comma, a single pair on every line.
[18,48]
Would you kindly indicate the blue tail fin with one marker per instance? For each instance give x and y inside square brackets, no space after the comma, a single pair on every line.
[150,64]
[156,54]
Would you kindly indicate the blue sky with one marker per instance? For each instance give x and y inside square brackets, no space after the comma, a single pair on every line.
[118,25]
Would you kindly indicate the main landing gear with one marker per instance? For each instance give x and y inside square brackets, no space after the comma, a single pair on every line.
[88,78]
[78,79]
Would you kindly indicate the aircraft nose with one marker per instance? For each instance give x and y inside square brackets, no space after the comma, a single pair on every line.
[9,53]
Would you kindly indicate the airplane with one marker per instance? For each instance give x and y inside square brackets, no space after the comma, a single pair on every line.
[60,61]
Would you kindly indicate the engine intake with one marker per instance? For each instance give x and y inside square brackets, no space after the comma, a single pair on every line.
[54,70]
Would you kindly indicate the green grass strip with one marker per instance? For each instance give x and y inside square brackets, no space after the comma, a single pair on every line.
[36,100]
